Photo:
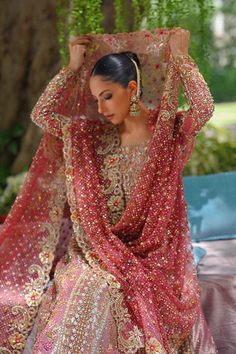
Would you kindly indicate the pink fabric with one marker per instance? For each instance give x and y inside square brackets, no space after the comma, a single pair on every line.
[71,282]
[217,276]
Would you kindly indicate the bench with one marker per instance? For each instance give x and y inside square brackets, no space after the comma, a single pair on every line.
[211,201]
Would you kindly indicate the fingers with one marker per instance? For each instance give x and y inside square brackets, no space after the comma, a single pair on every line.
[183,33]
[83,40]
[179,42]
[180,32]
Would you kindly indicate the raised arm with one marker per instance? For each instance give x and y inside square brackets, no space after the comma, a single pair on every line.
[198,96]
[195,88]
[55,106]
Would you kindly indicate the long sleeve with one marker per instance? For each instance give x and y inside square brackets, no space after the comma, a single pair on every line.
[56,103]
[198,96]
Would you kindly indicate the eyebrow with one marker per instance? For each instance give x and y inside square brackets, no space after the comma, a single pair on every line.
[101,93]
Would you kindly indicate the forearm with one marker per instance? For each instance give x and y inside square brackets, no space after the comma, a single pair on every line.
[56,103]
[198,96]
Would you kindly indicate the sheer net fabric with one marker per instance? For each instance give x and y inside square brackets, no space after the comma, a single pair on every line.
[141,248]
[78,293]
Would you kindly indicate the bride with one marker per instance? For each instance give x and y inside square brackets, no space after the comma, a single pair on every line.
[102,212]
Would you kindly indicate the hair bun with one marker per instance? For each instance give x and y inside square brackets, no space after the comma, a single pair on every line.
[133,56]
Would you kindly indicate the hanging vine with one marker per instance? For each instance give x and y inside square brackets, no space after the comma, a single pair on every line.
[76,17]
[121,20]
[138,8]
[193,15]
[62,11]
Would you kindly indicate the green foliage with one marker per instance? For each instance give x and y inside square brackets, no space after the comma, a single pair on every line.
[222,56]
[192,15]
[215,151]
[9,193]
[9,139]
[138,8]
[75,18]
[222,83]
[4,173]
[9,144]
[121,20]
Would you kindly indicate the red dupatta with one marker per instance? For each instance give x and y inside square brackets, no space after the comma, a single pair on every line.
[155,268]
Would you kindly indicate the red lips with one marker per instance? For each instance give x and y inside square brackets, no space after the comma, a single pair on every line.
[109,116]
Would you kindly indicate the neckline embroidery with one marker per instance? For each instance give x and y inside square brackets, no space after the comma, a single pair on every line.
[113,179]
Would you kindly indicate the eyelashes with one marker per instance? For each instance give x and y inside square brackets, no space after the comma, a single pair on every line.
[106,98]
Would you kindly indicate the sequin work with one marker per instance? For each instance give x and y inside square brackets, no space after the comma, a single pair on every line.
[129,265]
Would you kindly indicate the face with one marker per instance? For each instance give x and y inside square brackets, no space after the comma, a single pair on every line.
[113,100]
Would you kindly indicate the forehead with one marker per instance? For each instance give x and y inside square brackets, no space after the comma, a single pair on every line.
[97,85]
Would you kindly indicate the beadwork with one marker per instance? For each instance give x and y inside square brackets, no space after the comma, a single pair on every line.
[130,241]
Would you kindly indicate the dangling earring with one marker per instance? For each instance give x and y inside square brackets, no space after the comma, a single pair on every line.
[134,110]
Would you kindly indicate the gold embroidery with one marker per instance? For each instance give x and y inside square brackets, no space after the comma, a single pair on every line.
[56,214]
[20,327]
[80,234]
[121,315]
[4,351]
[153,346]
[109,143]
[38,274]
[17,341]
[115,172]
[182,346]
[46,257]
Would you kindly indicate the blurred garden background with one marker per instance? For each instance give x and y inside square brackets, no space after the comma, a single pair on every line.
[33,47]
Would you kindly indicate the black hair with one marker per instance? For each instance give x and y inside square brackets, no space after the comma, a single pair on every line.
[118,68]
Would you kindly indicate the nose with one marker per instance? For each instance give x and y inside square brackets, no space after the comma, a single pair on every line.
[100,107]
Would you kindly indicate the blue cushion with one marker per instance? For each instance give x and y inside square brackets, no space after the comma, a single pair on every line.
[211,201]
[198,253]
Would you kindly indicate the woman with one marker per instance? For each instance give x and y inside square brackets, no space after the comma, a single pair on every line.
[126,283]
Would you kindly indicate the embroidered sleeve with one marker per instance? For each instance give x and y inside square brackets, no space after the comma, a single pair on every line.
[198,96]
[56,103]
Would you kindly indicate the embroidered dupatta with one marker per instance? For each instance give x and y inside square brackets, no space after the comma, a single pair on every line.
[147,252]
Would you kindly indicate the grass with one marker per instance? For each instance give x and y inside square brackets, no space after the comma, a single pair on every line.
[225,114]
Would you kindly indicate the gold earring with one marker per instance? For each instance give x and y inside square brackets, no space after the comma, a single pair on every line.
[134,110]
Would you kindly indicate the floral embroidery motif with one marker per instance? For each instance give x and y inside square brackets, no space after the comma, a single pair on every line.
[134,341]
[33,298]
[46,257]
[56,214]
[111,161]
[19,328]
[17,341]
[153,346]
[116,203]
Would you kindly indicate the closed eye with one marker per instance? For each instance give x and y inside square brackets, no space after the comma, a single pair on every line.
[108,97]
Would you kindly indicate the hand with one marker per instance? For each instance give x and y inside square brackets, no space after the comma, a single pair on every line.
[77,48]
[179,42]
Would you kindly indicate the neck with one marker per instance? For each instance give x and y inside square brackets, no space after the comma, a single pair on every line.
[130,125]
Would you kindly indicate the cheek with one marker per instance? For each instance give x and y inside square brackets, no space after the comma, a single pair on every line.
[123,103]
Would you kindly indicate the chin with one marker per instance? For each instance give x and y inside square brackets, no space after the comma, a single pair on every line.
[115,121]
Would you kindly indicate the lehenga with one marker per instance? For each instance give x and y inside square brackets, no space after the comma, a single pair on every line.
[91,305]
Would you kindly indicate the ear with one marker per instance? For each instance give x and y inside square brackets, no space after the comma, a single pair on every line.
[132,85]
